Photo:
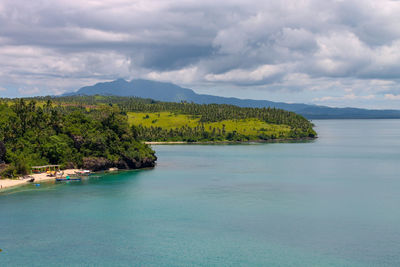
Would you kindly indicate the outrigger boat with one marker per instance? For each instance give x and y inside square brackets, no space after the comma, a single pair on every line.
[83,172]
[68,178]
[77,176]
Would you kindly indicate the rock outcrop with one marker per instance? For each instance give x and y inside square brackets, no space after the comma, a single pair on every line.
[100,164]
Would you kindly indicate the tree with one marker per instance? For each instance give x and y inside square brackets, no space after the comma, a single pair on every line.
[2,152]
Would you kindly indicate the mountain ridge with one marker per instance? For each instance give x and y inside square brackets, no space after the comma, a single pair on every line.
[169,92]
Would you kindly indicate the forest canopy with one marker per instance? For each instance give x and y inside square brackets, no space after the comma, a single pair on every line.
[201,122]
[38,133]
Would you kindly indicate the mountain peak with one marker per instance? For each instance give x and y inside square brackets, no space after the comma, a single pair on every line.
[162,91]
[120,80]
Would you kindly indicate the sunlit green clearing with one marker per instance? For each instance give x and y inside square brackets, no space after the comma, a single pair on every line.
[168,120]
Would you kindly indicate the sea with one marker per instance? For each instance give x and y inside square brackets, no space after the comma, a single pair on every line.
[333,201]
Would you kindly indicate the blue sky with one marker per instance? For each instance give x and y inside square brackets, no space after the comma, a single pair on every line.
[335,53]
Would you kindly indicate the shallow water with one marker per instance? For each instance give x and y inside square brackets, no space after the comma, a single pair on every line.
[330,202]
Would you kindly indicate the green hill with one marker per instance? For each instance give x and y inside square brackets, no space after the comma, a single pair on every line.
[168,121]
[167,126]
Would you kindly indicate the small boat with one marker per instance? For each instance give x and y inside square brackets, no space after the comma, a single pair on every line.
[83,172]
[28,179]
[68,179]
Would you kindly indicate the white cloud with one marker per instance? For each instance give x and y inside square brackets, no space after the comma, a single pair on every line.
[340,53]
[186,75]
[96,35]
[345,97]
[392,97]
[241,75]
[28,91]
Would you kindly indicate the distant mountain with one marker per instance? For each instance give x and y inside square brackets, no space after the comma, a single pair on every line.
[173,93]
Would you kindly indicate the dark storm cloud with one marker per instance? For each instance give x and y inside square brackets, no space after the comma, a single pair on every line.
[171,57]
[308,46]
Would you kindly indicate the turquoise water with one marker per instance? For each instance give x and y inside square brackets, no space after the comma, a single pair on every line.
[330,202]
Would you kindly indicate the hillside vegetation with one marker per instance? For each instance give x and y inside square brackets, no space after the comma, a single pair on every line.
[167,126]
[40,133]
[169,121]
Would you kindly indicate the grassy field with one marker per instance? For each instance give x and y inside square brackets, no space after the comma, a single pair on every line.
[168,120]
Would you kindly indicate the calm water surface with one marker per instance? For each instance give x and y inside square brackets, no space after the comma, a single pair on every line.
[331,202]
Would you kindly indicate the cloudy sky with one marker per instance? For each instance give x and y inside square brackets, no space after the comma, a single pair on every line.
[335,53]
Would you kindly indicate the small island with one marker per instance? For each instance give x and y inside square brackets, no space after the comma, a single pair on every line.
[102,132]
[156,121]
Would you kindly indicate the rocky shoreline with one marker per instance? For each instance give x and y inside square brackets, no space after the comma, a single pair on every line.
[229,142]
[102,164]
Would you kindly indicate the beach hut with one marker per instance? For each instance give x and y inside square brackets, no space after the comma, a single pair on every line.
[50,169]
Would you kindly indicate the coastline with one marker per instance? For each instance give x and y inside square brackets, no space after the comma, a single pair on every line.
[39,177]
[229,142]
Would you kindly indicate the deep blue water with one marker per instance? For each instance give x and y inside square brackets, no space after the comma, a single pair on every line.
[330,202]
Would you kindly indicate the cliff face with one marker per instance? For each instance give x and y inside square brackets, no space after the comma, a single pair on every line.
[100,164]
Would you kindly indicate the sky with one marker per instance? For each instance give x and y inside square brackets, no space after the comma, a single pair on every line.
[334,53]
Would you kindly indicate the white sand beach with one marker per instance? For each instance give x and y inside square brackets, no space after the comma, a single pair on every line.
[39,177]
